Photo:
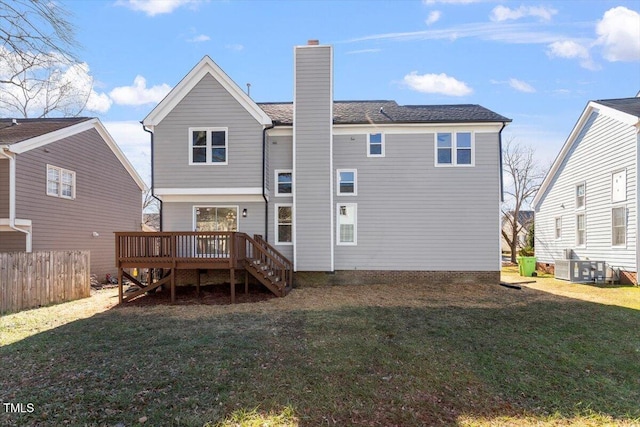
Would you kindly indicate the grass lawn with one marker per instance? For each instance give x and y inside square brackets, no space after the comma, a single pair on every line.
[469,355]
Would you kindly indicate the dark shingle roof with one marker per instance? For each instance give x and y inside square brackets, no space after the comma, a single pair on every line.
[626,105]
[30,128]
[363,112]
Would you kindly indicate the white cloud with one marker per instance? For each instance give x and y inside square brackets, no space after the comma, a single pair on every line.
[503,13]
[237,47]
[521,86]
[571,49]
[134,143]
[156,7]
[430,2]
[619,34]
[436,83]
[199,39]
[56,87]
[356,52]
[434,16]
[138,93]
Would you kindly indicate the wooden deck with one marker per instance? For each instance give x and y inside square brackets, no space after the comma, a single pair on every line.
[163,253]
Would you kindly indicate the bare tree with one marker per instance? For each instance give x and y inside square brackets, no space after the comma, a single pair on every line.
[524,176]
[39,73]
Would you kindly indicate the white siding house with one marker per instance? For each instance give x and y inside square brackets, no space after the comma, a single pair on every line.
[588,201]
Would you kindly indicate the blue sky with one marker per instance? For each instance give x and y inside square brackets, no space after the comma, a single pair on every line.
[536,62]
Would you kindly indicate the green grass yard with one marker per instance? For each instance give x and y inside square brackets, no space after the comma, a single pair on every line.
[470,355]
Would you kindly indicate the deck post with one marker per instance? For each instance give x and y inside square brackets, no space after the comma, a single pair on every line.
[246,282]
[198,282]
[233,285]
[120,293]
[173,284]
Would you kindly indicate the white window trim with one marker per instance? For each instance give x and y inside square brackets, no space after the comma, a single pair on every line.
[382,149]
[581,245]
[555,227]
[355,224]
[624,245]
[454,150]
[575,195]
[276,224]
[355,182]
[626,195]
[60,172]
[236,207]
[278,172]
[208,161]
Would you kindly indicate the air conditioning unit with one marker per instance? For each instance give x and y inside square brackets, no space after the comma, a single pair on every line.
[580,271]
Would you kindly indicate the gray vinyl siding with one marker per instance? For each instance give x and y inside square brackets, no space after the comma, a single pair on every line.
[178,216]
[4,189]
[412,215]
[208,105]
[603,146]
[312,140]
[280,157]
[107,199]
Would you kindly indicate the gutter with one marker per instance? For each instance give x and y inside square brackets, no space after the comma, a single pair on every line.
[264,180]
[144,128]
[6,152]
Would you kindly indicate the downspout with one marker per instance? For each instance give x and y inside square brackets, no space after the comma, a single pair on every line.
[264,180]
[504,124]
[152,174]
[12,197]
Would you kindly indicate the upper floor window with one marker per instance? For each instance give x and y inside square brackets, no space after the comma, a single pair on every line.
[619,186]
[208,146]
[580,195]
[347,182]
[375,145]
[61,182]
[454,149]
[284,182]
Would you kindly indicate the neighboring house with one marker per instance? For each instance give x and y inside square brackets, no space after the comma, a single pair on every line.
[369,191]
[65,184]
[523,224]
[588,201]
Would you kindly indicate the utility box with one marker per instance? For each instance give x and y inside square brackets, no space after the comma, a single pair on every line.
[580,271]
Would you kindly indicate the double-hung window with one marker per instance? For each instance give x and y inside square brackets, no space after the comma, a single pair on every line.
[61,182]
[208,146]
[581,230]
[347,224]
[454,149]
[347,182]
[580,195]
[284,224]
[284,182]
[559,228]
[375,145]
[619,226]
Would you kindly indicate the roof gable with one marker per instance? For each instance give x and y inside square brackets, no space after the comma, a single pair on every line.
[619,109]
[204,67]
[28,135]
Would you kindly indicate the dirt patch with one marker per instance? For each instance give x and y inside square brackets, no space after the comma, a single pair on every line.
[209,295]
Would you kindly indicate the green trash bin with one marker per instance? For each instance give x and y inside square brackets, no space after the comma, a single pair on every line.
[527,265]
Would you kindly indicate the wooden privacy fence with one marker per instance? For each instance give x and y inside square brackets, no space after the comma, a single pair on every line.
[29,280]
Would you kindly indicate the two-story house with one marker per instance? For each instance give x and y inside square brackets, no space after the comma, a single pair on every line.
[587,205]
[66,185]
[350,191]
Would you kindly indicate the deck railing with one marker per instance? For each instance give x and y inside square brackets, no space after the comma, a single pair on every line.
[179,247]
